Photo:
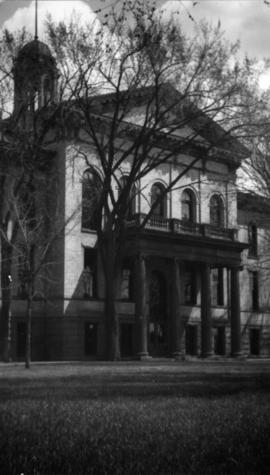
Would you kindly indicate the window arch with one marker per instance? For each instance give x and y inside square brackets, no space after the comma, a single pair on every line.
[252,239]
[131,201]
[217,211]
[158,195]
[188,202]
[91,189]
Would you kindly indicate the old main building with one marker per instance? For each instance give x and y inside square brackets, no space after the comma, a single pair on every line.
[191,279]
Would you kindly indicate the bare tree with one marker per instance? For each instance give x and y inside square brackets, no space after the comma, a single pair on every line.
[143,94]
[139,94]
[29,133]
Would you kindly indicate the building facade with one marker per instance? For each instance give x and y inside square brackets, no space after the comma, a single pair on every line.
[190,278]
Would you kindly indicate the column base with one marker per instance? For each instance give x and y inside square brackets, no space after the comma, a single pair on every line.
[143,356]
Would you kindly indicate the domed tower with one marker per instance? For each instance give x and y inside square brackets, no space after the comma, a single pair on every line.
[35,77]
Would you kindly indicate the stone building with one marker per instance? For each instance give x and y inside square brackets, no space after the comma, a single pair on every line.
[190,280]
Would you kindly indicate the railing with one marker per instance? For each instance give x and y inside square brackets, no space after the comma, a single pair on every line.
[185,227]
[182,227]
[219,233]
[155,222]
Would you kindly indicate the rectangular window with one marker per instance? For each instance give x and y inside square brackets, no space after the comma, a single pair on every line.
[217,287]
[90,339]
[190,287]
[126,289]
[90,289]
[255,290]
[125,284]
[252,240]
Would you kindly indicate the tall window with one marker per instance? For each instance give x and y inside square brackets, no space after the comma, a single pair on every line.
[254,277]
[90,289]
[190,287]
[130,199]
[252,240]
[217,287]
[157,191]
[126,290]
[188,206]
[91,189]
[217,211]
[90,338]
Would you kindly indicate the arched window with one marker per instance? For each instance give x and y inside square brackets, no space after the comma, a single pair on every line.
[91,189]
[217,211]
[188,201]
[252,240]
[160,209]
[131,201]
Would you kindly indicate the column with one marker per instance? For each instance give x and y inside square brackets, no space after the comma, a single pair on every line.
[177,326]
[140,307]
[206,320]
[235,314]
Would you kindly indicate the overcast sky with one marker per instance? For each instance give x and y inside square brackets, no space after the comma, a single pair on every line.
[247,20]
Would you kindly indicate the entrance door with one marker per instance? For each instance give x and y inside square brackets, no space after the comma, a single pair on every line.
[254,341]
[158,325]
[220,341]
[126,339]
[191,340]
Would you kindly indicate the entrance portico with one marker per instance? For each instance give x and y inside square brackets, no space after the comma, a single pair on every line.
[161,312]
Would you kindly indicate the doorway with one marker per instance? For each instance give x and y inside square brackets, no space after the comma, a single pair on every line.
[158,325]
[126,339]
[192,340]
[220,341]
[254,341]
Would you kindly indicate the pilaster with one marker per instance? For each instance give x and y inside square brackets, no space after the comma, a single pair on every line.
[206,318]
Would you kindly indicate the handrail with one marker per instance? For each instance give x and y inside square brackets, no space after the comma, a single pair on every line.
[179,226]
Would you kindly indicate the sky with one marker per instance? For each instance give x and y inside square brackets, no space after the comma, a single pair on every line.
[246,20]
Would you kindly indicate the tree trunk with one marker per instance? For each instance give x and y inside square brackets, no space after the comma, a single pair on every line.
[112,273]
[5,320]
[28,332]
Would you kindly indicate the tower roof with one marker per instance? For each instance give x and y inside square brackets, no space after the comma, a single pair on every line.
[35,48]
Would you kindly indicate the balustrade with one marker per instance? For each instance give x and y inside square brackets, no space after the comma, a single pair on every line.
[181,227]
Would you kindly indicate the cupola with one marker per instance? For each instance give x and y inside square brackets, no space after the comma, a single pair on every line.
[35,77]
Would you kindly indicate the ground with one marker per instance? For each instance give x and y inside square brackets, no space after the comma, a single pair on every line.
[155,417]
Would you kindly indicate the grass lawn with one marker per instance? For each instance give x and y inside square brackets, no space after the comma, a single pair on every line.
[135,418]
